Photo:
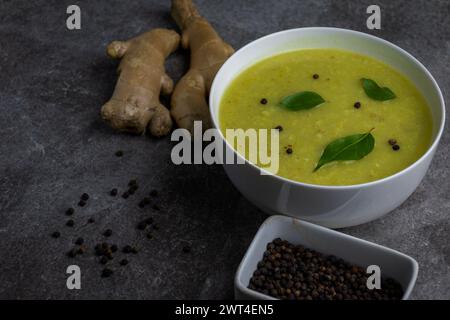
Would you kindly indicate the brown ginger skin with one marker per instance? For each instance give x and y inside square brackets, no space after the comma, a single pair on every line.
[134,105]
[208,53]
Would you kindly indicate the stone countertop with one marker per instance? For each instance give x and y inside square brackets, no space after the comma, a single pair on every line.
[54,147]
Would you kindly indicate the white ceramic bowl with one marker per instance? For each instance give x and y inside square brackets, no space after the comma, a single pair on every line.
[393,264]
[331,206]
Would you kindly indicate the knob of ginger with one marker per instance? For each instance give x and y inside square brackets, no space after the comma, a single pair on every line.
[208,53]
[135,105]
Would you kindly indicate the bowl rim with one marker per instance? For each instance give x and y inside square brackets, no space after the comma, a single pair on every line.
[381,41]
[318,228]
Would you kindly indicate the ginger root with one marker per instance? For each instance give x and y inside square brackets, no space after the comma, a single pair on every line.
[208,53]
[134,105]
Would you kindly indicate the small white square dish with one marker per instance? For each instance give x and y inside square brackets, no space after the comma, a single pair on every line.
[393,264]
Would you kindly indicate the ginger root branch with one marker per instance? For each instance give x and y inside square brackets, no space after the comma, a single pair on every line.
[208,53]
[134,105]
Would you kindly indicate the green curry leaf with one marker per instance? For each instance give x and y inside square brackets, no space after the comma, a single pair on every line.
[374,91]
[302,100]
[353,147]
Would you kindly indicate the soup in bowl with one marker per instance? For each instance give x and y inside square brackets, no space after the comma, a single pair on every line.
[358,121]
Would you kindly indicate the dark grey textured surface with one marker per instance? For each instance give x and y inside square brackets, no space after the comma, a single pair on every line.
[54,147]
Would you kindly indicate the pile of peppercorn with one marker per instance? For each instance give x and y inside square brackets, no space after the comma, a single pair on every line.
[294,272]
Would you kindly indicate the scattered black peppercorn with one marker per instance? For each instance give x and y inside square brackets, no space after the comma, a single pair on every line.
[142,225]
[104,250]
[82,249]
[289,150]
[56,234]
[132,182]
[119,153]
[145,201]
[357,105]
[315,76]
[127,249]
[289,271]
[134,187]
[107,273]
[263,101]
[186,249]
[72,253]
[99,251]
[392,142]
[107,233]
[279,128]
[396,147]
[153,193]
[109,254]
